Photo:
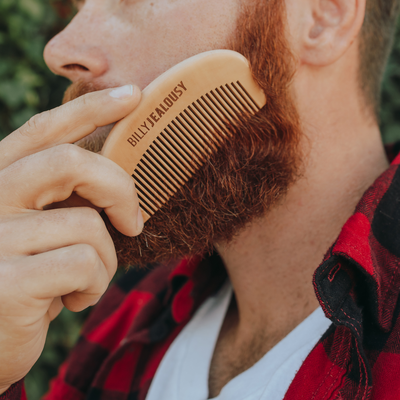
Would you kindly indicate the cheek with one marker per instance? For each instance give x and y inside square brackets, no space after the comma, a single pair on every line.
[156,37]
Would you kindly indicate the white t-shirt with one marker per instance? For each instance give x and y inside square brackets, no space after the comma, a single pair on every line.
[183,372]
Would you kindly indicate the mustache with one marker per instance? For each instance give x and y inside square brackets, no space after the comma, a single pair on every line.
[247,176]
[80,88]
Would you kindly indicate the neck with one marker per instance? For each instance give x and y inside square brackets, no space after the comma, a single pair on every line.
[272,261]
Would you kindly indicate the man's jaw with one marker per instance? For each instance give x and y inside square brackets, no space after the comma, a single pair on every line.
[246,177]
[95,141]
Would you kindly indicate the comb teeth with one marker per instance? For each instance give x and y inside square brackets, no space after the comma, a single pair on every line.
[183,146]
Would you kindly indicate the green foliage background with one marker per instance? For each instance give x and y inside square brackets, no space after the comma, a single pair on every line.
[27,87]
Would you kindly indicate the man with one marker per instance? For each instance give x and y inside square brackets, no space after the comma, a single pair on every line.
[269,204]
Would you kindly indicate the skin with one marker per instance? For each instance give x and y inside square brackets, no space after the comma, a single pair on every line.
[42,265]
[139,40]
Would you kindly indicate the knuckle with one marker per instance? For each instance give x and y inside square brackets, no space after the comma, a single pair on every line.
[95,276]
[68,152]
[35,126]
[88,256]
[67,156]
[93,221]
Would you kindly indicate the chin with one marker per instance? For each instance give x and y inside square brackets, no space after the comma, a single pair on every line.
[95,141]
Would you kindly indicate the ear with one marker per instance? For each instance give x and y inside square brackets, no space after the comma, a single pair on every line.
[329,29]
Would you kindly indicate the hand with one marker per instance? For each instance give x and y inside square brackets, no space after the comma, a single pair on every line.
[57,257]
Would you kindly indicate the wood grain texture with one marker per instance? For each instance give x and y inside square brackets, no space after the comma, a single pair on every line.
[182,117]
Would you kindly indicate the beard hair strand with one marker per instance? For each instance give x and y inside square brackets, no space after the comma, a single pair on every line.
[252,170]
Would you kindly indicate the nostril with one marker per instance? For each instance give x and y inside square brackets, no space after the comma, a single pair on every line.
[75,67]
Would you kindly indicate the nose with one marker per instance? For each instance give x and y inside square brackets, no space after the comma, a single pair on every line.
[76,52]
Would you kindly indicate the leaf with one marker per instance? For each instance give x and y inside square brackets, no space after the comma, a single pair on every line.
[12,93]
[33,8]
[32,98]
[28,77]
[6,4]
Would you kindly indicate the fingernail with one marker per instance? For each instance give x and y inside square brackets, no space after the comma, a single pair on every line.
[122,92]
[139,221]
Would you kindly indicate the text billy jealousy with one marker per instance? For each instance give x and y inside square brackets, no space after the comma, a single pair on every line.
[157,114]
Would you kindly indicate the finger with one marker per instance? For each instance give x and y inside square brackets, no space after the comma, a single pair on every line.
[54,174]
[68,123]
[55,308]
[40,232]
[73,201]
[75,273]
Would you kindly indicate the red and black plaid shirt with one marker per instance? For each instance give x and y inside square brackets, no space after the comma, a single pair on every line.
[357,284]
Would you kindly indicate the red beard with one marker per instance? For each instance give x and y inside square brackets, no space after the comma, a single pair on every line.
[247,176]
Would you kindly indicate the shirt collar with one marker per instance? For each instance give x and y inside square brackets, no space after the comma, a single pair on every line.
[359,278]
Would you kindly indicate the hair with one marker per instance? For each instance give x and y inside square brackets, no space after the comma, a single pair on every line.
[376,41]
[251,171]
[375,45]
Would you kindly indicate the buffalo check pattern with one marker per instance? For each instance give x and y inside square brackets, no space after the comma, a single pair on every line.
[357,285]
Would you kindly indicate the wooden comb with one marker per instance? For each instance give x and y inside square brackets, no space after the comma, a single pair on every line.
[182,118]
